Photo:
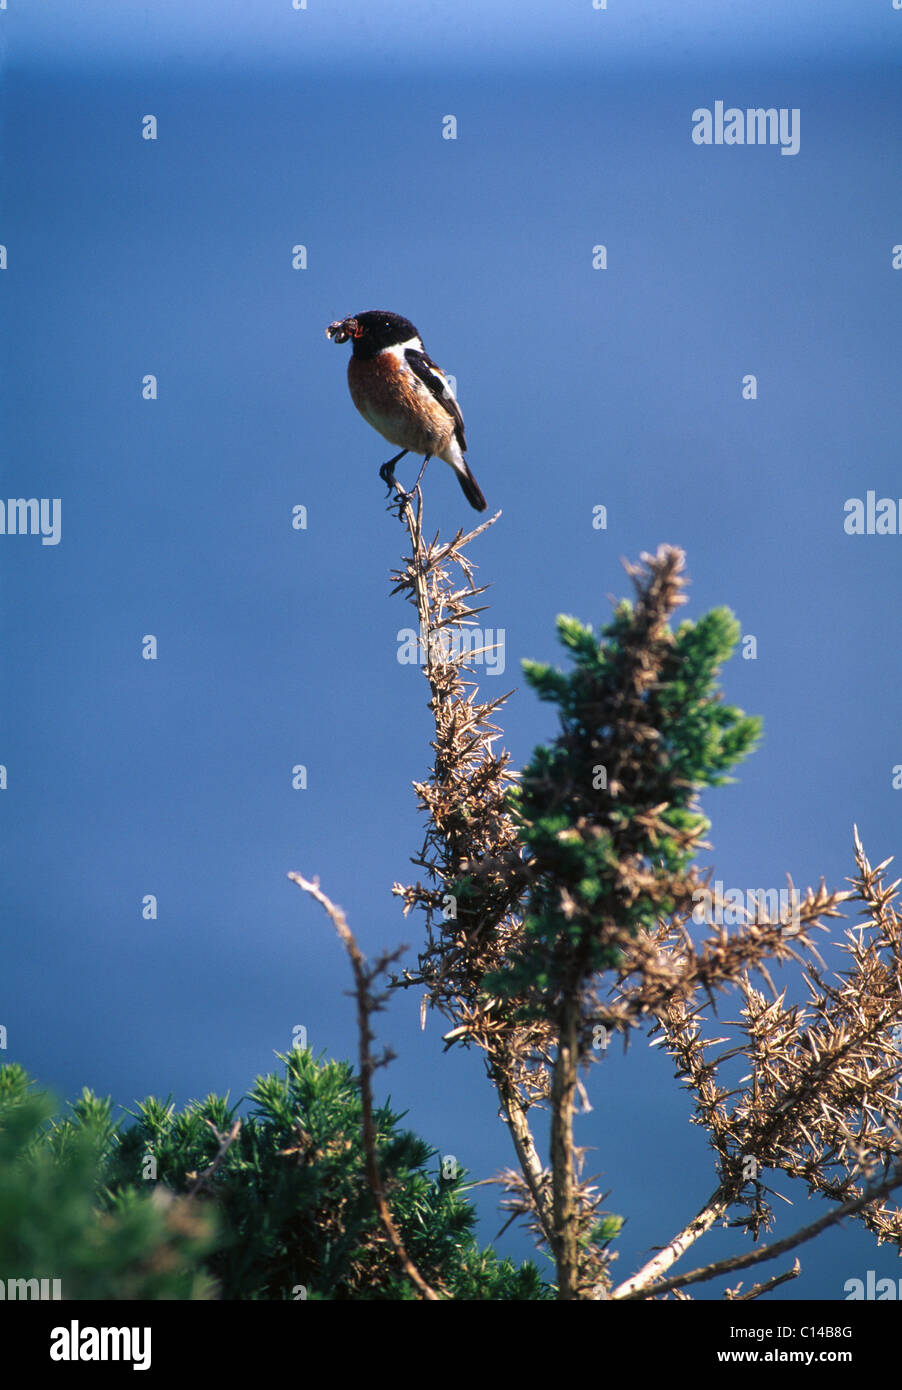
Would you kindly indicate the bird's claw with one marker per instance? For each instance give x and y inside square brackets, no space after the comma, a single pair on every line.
[398,502]
[399,498]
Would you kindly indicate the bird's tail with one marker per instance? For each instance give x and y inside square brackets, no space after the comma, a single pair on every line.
[471,489]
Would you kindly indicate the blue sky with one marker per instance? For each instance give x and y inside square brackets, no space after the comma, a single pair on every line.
[295,34]
[580,387]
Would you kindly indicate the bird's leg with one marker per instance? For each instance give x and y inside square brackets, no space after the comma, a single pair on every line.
[387,471]
[421,472]
[404,497]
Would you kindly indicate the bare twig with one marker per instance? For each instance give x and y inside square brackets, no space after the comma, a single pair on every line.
[366,1004]
[768,1285]
[225,1143]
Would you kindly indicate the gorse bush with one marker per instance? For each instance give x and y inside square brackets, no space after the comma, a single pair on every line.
[189,1204]
[565,906]
[560,909]
[60,1221]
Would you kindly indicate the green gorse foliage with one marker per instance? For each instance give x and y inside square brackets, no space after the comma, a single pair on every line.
[284,1214]
[608,812]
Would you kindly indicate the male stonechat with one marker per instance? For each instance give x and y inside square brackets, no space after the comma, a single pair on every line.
[400,391]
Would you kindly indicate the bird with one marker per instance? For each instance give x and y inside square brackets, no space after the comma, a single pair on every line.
[404,395]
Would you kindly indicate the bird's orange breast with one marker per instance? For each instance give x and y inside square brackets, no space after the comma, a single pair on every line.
[391,400]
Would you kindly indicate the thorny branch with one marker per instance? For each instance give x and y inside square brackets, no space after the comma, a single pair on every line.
[819,1094]
[821,1101]
[471,839]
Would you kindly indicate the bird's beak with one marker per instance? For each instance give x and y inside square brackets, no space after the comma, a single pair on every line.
[343,329]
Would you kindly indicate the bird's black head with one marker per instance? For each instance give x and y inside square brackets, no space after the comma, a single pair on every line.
[372,331]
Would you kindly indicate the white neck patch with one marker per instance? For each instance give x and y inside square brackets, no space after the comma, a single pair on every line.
[398,349]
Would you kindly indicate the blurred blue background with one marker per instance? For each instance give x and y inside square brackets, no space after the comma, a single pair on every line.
[621,387]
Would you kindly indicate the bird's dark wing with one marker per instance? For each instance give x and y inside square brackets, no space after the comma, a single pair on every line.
[433,377]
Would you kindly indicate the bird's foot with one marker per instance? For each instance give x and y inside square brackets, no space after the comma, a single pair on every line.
[396,494]
[399,498]
[399,502]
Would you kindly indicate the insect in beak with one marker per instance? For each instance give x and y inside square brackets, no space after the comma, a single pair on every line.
[343,329]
